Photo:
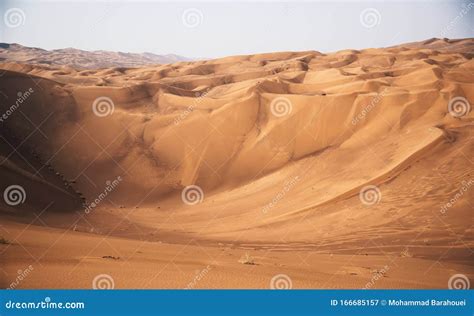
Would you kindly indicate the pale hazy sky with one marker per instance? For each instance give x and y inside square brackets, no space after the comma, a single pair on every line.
[221,28]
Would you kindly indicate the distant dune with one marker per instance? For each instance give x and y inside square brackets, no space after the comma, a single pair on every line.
[323,167]
[80,59]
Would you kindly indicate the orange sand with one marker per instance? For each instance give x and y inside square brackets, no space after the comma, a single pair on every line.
[281,146]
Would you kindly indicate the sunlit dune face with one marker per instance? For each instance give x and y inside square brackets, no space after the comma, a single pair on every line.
[348,152]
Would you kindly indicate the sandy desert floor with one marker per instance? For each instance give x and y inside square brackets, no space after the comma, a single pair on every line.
[352,169]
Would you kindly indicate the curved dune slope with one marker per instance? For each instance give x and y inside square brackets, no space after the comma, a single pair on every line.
[281,145]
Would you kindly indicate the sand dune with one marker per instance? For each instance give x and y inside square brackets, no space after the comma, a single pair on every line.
[280,149]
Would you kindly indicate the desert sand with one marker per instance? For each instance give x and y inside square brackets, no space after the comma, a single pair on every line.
[351,169]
